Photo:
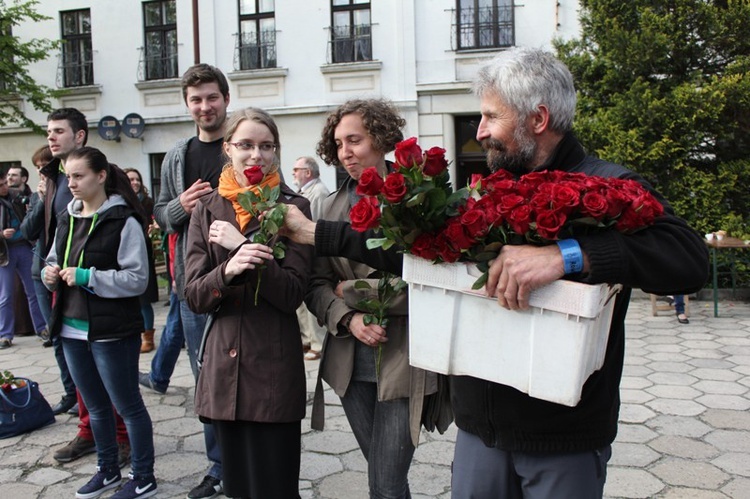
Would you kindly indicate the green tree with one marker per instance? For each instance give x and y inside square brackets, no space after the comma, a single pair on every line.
[664,88]
[16,85]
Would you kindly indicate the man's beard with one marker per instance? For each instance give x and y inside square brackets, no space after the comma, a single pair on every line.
[517,163]
[215,125]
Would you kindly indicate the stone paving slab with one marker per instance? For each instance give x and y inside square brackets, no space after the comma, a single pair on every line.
[684,423]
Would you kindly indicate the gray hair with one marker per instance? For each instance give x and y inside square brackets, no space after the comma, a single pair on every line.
[525,78]
[311,165]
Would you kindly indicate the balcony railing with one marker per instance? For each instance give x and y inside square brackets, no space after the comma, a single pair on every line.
[351,45]
[251,55]
[72,71]
[157,67]
[487,27]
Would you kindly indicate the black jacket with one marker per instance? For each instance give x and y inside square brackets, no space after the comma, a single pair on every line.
[108,318]
[666,258]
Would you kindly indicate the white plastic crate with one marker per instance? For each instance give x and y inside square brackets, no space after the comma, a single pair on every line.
[548,351]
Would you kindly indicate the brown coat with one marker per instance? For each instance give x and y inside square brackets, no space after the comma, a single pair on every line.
[253,367]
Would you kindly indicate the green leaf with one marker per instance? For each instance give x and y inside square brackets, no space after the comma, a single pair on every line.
[362,285]
[279,252]
[368,319]
[479,283]
[373,243]
[485,256]
[416,200]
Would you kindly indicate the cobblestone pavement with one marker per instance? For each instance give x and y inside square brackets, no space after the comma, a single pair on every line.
[684,423]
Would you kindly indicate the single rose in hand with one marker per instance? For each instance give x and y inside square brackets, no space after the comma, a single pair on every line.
[370,183]
[254,175]
[408,153]
[365,214]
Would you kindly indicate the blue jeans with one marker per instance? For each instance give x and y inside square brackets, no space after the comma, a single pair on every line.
[106,373]
[193,325]
[19,262]
[382,431]
[679,304]
[43,298]
[481,471]
[170,345]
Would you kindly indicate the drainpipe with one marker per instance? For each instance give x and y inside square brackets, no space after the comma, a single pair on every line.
[196,35]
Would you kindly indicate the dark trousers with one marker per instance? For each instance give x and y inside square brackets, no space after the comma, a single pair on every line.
[260,459]
[481,472]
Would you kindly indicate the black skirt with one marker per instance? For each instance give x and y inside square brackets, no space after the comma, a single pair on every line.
[259,460]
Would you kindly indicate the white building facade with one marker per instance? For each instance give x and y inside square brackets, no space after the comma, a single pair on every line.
[298,59]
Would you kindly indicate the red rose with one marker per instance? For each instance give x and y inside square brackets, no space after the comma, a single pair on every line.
[408,153]
[475,179]
[423,247]
[617,201]
[254,175]
[394,188]
[488,207]
[541,200]
[594,205]
[365,214]
[444,248]
[520,218]
[475,223]
[565,198]
[507,203]
[491,180]
[549,223]
[629,221]
[370,182]
[647,208]
[434,162]
[457,235]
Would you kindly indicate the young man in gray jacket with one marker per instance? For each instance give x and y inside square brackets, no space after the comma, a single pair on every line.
[190,170]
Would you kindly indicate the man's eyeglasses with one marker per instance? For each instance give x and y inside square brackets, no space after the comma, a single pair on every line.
[264,147]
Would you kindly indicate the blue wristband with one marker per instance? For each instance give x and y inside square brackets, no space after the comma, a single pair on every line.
[572,255]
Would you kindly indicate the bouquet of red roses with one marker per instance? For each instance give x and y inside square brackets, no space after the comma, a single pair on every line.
[428,220]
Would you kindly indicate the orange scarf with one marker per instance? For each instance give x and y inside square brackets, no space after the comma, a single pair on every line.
[229,188]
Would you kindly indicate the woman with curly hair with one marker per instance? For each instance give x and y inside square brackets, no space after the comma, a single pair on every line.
[383,405]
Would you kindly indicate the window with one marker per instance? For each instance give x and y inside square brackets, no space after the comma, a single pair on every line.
[160,30]
[77,61]
[350,31]
[484,24]
[256,45]
[155,160]
[470,157]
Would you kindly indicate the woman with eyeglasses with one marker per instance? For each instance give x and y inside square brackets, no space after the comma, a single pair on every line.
[252,385]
